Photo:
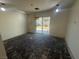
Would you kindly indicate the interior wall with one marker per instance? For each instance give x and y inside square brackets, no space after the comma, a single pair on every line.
[12,24]
[58,22]
[73,31]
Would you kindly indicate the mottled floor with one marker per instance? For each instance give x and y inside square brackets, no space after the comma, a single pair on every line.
[36,46]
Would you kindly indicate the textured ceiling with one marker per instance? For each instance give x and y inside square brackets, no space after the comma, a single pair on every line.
[30,5]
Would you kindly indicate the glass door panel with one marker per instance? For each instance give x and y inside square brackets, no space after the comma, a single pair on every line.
[46,23]
[39,25]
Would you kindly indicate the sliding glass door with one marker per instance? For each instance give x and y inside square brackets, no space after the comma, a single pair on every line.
[42,25]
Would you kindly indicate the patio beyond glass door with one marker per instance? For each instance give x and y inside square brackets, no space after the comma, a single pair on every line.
[43,25]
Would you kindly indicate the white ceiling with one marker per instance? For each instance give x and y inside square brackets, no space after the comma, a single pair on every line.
[30,5]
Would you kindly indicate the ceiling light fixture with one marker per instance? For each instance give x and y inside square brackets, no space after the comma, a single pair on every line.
[3,9]
[57,10]
[36,8]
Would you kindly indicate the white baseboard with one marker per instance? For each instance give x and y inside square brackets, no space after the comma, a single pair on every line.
[70,52]
[2,50]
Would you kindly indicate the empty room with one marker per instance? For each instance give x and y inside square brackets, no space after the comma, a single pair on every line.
[39,29]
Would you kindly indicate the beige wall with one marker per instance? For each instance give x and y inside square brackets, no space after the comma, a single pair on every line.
[29,23]
[12,24]
[73,31]
[58,22]
[58,25]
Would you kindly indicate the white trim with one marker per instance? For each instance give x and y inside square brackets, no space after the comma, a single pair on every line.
[2,50]
[70,52]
